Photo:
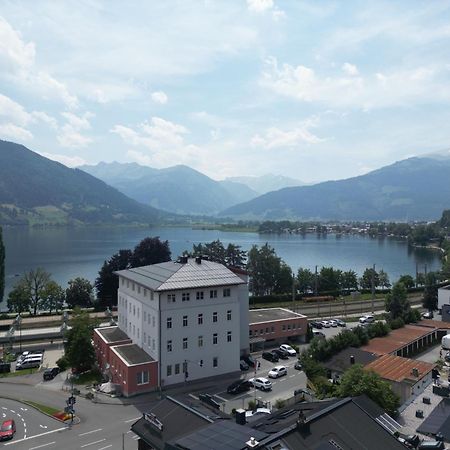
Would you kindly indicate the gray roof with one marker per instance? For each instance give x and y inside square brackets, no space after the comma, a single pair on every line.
[112,334]
[438,421]
[174,275]
[271,314]
[132,354]
[341,361]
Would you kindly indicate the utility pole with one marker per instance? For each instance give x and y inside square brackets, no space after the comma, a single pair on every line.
[315,282]
[373,289]
[293,291]
[417,272]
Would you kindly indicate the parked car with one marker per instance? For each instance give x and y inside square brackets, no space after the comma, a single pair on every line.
[270,356]
[209,400]
[316,324]
[367,318]
[427,445]
[250,360]
[325,324]
[7,430]
[49,374]
[261,383]
[340,323]
[287,348]
[277,372]
[298,366]
[428,315]
[243,365]
[333,323]
[281,353]
[239,386]
[318,334]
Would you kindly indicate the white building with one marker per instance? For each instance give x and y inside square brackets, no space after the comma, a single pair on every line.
[443,296]
[189,315]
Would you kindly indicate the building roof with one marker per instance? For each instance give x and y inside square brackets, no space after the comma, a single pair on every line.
[272,314]
[132,354]
[396,368]
[341,361]
[397,339]
[112,334]
[437,324]
[177,420]
[438,421]
[175,275]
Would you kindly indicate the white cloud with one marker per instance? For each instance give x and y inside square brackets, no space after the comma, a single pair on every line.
[160,97]
[44,117]
[69,137]
[69,161]
[350,69]
[276,138]
[78,122]
[259,5]
[11,131]
[13,111]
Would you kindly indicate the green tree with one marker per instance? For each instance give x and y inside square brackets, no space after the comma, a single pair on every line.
[349,280]
[235,256]
[407,280]
[213,251]
[19,299]
[2,266]
[79,350]
[150,250]
[107,283]
[36,281]
[329,280]
[79,293]
[430,293]
[284,280]
[53,297]
[383,279]
[397,304]
[366,280]
[357,381]
[305,280]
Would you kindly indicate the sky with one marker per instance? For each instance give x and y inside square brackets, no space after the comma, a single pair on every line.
[306,89]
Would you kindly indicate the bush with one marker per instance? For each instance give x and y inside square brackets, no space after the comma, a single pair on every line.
[280,403]
[396,323]
[62,363]
[252,405]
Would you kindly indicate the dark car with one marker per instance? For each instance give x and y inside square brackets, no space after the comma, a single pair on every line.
[250,360]
[316,325]
[239,386]
[49,374]
[243,365]
[209,400]
[281,353]
[270,356]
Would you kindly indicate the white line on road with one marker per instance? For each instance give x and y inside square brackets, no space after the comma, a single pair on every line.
[221,398]
[89,432]
[93,443]
[193,396]
[43,445]
[36,435]
[291,376]
[132,420]
[103,448]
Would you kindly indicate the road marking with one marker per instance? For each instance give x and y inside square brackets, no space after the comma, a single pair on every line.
[24,409]
[193,396]
[132,420]
[93,443]
[221,398]
[89,432]
[103,448]
[18,415]
[43,426]
[36,435]
[43,445]
[12,411]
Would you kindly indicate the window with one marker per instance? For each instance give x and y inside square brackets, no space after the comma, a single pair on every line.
[145,336]
[169,322]
[267,329]
[289,326]
[215,361]
[128,283]
[149,339]
[134,330]
[185,367]
[149,318]
[138,312]
[129,309]
[133,287]
[250,332]
[169,346]
[229,336]
[153,320]
[261,331]
[199,295]
[185,343]
[134,310]
[200,341]
[151,295]
[153,344]
[145,316]
[200,319]
[229,314]
[185,297]
[145,292]
[284,328]
[214,317]
[227,292]
[273,329]
[213,293]
[169,370]
[215,338]
[142,377]
[171,298]
[185,321]
[177,369]
[138,332]
[139,289]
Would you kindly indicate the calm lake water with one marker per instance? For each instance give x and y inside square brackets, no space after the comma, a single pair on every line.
[80,252]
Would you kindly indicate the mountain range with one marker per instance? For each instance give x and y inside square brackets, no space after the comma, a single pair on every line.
[266,183]
[35,190]
[412,189]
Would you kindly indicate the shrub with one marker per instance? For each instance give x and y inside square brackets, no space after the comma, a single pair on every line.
[397,323]
[280,403]
[62,363]
[252,405]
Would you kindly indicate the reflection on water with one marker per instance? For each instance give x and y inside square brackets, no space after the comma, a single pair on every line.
[71,252]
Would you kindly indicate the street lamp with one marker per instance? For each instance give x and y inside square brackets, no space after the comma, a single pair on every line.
[17,324]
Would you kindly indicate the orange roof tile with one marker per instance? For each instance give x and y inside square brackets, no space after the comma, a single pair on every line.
[396,368]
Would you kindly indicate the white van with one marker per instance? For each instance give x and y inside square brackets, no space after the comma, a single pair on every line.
[30,361]
[367,318]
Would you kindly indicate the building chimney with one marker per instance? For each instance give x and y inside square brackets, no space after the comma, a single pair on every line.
[415,372]
[183,259]
[198,259]
[302,423]
[240,416]
[352,359]
[252,443]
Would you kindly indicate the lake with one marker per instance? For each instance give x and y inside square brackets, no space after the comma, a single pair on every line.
[79,252]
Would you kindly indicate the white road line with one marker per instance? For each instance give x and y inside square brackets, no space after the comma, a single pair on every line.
[89,432]
[132,420]
[103,448]
[35,436]
[221,398]
[12,411]
[93,443]
[291,376]
[43,445]
[193,396]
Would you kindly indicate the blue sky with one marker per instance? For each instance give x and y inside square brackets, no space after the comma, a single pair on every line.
[311,90]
